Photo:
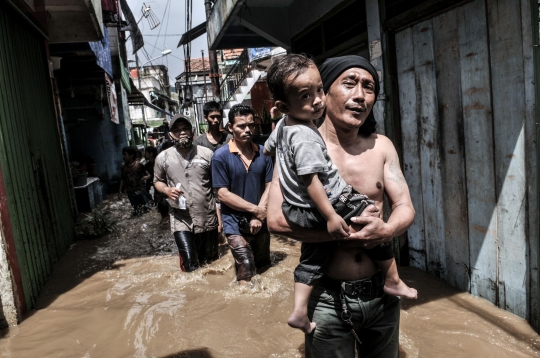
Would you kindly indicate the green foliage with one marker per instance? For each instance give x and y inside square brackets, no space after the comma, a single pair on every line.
[96,224]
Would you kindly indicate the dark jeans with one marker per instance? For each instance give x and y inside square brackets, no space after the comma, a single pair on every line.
[250,253]
[375,317]
[196,249]
[138,199]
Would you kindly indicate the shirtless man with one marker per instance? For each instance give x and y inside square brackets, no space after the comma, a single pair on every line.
[369,162]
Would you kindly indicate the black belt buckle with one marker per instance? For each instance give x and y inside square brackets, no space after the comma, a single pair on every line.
[366,286]
[358,288]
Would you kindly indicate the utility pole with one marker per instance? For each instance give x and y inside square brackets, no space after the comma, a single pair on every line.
[212,57]
[204,76]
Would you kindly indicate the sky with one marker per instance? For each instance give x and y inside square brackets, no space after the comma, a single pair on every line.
[172,18]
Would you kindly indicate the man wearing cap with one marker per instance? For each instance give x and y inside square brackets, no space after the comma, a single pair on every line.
[184,174]
[369,162]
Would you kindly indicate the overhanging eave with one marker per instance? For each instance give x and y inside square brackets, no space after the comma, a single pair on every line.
[74,21]
[220,19]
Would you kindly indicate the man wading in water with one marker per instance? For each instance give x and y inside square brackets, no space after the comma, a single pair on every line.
[184,172]
[349,305]
[241,175]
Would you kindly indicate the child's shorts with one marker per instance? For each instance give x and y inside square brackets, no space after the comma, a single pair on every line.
[315,257]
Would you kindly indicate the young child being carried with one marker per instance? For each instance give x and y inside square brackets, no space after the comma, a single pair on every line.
[315,195]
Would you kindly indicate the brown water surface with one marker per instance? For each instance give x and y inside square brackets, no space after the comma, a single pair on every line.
[124,296]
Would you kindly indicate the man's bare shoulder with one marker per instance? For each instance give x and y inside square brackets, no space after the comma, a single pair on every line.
[383,145]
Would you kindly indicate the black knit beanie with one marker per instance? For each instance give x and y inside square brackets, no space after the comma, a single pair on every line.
[333,67]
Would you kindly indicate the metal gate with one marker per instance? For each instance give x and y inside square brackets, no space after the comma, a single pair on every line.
[31,158]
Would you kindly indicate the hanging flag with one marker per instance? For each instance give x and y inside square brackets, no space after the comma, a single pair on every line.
[137,40]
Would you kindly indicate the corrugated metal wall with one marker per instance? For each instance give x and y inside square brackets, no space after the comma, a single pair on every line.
[30,154]
[467,97]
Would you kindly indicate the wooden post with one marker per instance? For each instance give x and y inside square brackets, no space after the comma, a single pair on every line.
[529,11]
[376,58]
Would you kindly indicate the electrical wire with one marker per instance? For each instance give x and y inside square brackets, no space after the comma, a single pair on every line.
[187,46]
[167,26]
[163,18]
[167,55]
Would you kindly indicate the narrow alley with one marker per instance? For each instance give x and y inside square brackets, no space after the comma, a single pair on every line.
[137,112]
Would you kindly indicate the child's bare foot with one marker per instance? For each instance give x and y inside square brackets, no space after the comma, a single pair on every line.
[400,289]
[301,322]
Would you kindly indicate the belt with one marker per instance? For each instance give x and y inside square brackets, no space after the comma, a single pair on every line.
[366,286]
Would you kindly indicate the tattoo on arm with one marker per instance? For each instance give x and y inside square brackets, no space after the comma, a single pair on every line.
[395,173]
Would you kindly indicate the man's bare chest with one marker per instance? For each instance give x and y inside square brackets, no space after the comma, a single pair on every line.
[365,174]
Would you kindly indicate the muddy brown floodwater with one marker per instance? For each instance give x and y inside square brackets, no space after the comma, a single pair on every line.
[124,296]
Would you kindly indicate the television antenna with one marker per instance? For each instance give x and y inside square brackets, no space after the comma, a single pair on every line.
[150,16]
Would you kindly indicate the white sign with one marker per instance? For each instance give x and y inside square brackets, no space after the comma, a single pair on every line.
[125,108]
[375,50]
[113,101]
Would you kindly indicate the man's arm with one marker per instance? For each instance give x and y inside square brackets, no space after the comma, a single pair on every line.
[160,183]
[278,224]
[397,191]
[263,203]
[220,220]
[336,226]
[235,202]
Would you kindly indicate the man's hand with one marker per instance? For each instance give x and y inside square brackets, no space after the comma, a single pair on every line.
[373,230]
[173,193]
[337,227]
[255,226]
[371,210]
[260,213]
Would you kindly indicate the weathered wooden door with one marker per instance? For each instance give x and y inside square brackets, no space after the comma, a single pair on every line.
[467,97]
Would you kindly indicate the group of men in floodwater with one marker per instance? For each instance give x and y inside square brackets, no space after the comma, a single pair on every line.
[332,171]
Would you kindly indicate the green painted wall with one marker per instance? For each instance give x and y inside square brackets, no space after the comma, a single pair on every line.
[31,155]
